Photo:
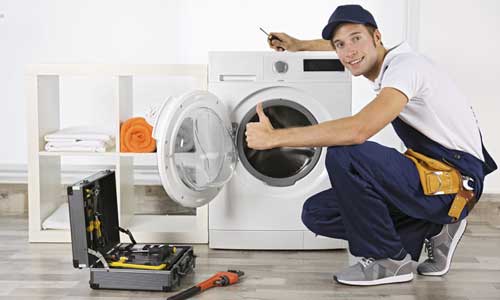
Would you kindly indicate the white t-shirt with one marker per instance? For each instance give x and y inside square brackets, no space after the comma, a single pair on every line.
[436,108]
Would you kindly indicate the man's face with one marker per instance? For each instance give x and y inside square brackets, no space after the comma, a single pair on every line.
[355,48]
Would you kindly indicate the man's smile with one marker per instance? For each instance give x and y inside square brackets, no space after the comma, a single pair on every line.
[356,61]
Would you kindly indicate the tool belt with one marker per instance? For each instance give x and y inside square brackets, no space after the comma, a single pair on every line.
[438,178]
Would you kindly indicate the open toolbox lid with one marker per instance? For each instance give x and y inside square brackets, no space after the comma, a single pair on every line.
[92,202]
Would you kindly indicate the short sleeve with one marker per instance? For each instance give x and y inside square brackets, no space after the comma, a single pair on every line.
[404,74]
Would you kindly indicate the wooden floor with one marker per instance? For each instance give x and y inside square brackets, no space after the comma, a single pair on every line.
[44,271]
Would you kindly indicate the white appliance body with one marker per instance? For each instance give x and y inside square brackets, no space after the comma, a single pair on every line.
[249,213]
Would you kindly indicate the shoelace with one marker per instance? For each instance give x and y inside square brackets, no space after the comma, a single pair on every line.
[365,262]
[429,248]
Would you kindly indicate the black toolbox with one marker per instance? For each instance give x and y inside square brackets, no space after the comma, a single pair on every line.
[95,239]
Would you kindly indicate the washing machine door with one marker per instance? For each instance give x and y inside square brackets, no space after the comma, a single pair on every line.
[195,150]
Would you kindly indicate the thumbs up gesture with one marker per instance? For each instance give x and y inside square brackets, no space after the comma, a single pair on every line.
[260,135]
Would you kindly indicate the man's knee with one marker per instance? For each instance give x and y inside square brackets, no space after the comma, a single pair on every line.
[321,220]
[335,156]
[307,216]
[310,215]
[339,157]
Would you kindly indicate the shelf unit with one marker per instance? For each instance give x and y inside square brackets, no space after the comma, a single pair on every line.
[44,168]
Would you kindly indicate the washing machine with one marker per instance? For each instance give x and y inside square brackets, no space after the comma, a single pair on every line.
[255,197]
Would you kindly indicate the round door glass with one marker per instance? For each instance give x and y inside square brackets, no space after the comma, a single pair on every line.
[204,155]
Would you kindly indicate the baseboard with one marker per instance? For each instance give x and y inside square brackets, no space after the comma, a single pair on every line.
[13,174]
[493,190]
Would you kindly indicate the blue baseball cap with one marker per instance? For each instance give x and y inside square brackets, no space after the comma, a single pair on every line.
[347,14]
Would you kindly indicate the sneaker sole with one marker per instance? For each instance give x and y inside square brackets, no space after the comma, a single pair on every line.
[387,280]
[453,246]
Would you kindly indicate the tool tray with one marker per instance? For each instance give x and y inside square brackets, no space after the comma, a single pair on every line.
[95,240]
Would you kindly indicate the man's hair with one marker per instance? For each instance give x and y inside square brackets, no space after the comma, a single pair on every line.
[371,30]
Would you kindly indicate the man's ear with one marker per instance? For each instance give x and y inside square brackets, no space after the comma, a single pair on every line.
[377,37]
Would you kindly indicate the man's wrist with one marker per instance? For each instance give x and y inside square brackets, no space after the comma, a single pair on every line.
[315,45]
[277,138]
[303,45]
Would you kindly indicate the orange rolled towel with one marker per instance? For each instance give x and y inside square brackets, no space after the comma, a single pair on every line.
[136,135]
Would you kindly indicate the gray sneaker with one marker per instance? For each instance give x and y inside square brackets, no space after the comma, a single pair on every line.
[372,272]
[440,249]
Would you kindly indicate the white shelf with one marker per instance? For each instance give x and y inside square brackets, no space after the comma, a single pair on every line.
[140,155]
[192,70]
[71,153]
[99,154]
[46,181]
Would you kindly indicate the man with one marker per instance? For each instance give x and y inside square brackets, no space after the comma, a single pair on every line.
[380,200]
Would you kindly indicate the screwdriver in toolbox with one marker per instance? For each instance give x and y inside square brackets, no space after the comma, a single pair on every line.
[219,279]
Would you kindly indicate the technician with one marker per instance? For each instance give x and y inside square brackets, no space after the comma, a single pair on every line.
[384,203]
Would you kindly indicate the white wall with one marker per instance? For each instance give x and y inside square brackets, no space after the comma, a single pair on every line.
[462,36]
[153,31]
[459,35]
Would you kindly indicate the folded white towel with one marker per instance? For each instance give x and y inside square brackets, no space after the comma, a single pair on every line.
[52,148]
[70,143]
[78,134]
[59,219]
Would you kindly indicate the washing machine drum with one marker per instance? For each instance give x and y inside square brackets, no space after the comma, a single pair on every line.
[279,166]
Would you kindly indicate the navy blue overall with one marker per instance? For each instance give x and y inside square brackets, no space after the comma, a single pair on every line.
[376,202]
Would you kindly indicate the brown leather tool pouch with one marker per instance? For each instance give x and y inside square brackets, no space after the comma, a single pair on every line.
[438,178]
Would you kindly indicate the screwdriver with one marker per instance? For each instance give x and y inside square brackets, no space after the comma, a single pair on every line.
[272,37]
